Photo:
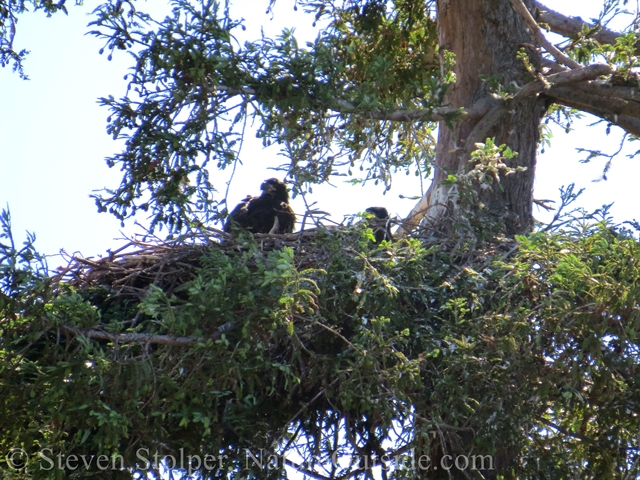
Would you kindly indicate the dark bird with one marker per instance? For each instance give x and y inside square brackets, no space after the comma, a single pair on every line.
[268,213]
[380,223]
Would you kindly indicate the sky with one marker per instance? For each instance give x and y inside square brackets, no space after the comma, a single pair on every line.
[53,140]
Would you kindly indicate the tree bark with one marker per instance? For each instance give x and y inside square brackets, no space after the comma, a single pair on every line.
[485,36]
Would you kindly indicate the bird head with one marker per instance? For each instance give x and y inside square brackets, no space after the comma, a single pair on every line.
[380,224]
[379,212]
[275,188]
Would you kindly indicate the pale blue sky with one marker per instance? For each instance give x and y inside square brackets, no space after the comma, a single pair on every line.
[53,140]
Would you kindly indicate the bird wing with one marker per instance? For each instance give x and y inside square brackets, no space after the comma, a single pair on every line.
[258,214]
[240,215]
[263,211]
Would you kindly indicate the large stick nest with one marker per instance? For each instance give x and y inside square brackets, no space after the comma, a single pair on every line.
[321,341]
[128,271]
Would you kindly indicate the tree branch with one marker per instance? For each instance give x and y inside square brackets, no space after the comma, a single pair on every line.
[438,114]
[623,113]
[604,90]
[493,116]
[570,26]
[552,66]
[145,338]
[305,471]
[564,431]
[542,40]
[478,110]
[582,74]
[481,131]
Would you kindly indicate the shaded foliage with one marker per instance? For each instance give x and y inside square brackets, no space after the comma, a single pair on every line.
[525,350]
[298,349]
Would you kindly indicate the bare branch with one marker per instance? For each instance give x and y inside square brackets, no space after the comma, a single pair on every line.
[232,91]
[478,110]
[481,131]
[623,113]
[437,115]
[552,66]
[569,433]
[305,471]
[544,204]
[568,26]
[542,40]
[625,93]
[146,338]
[581,74]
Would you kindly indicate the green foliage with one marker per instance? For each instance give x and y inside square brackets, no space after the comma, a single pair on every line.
[525,351]
[623,53]
[22,271]
[488,164]
[193,89]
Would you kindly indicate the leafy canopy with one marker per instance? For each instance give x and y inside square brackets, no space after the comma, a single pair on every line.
[527,349]
[193,89]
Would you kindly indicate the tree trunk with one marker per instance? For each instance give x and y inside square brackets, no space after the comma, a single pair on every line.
[485,36]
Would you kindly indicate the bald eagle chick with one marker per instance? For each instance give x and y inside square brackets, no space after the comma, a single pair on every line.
[380,223]
[268,213]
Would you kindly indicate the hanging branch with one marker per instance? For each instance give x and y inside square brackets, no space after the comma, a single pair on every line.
[542,40]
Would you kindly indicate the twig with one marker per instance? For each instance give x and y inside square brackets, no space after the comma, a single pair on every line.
[543,204]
